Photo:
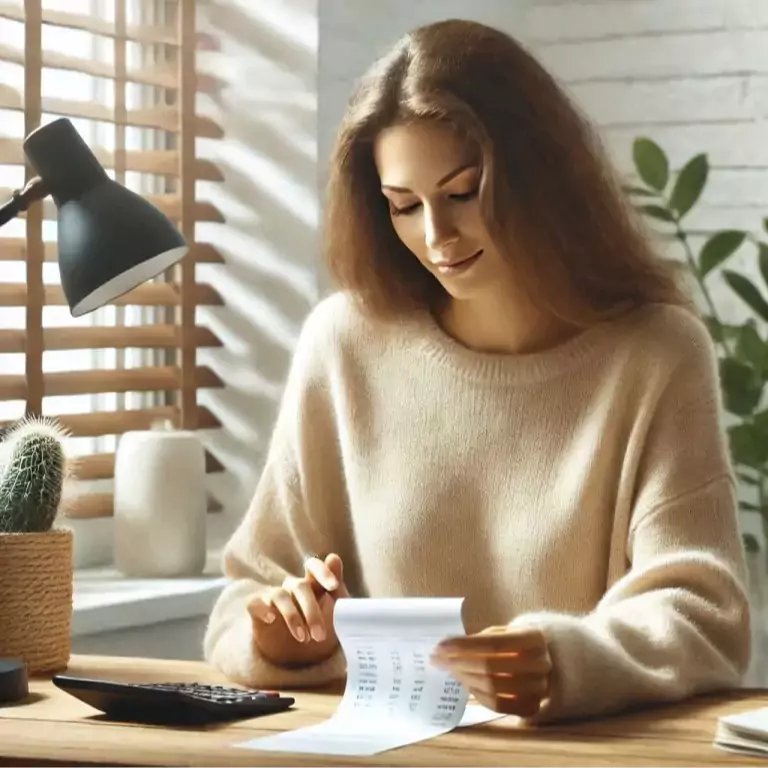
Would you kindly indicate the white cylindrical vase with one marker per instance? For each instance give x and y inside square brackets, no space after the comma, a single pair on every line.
[160,504]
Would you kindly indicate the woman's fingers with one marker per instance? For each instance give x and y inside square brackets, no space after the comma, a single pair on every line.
[522,706]
[497,664]
[261,610]
[297,600]
[327,573]
[513,694]
[303,594]
[284,603]
[512,686]
[321,573]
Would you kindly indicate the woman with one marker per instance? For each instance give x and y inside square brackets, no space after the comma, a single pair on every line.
[509,399]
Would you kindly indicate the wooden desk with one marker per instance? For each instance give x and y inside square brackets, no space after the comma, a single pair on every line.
[57,729]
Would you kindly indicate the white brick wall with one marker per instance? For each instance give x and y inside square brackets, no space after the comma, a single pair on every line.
[690,74]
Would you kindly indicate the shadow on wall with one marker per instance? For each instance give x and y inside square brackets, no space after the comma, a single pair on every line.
[266,61]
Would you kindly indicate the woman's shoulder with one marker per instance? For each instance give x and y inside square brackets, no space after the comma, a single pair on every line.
[336,323]
[336,316]
[672,333]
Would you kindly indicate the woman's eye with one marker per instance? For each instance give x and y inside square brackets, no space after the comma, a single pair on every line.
[395,211]
[464,196]
[405,210]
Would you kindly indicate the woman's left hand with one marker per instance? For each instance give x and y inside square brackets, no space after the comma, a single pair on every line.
[505,669]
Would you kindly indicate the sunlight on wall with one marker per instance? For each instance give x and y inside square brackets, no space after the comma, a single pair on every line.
[266,105]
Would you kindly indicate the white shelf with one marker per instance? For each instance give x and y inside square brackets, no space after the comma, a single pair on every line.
[105,600]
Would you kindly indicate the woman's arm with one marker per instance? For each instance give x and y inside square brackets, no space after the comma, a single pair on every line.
[299,508]
[677,623]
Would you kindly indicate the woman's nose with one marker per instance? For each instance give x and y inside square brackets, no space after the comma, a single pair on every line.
[440,231]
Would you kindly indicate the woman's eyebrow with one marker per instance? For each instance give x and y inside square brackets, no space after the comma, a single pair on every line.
[442,182]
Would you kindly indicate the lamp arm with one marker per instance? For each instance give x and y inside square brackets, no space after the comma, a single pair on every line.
[21,199]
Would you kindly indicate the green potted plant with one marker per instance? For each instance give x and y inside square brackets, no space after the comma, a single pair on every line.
[36,555]
[743,349]
[667,199]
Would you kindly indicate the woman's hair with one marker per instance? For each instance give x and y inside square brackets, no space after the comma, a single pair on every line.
[548,195]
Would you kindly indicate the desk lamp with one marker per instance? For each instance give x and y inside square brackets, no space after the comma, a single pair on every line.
[110,240]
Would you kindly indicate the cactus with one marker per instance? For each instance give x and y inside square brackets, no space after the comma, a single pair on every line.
[33,468]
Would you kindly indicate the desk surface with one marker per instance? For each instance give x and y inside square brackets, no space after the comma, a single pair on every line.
[55,728]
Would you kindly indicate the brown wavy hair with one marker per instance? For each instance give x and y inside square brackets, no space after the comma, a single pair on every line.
[548,195]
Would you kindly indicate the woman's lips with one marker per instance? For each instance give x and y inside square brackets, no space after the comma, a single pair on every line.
[458,266]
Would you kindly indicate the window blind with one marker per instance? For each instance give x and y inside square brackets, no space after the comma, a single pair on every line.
[124,72]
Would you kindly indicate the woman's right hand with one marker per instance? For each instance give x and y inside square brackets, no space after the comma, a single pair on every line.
[293,623]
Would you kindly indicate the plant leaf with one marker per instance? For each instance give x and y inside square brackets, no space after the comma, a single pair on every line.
[718,248]
[715,328]
[742,388]
[760,426]
[748,293]
[689,184]
[657,212]
[731,331]
[651,163]
[746,447]
[639,191]
[750,543]
[751,348]
[762,258]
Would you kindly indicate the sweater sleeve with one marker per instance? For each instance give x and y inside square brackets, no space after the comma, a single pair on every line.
[677,622]
[299,508]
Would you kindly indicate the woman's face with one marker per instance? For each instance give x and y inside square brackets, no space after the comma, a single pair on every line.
[430,179]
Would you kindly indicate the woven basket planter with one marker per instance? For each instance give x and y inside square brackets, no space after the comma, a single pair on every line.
[36,585]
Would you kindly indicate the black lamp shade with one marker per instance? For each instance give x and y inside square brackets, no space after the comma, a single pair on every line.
[110,239]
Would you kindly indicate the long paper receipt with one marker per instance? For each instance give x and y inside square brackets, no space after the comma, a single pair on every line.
[393,695]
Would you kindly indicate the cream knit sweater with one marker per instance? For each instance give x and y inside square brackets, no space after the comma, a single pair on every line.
[585,489]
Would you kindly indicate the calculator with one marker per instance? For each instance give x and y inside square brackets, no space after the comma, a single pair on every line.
[172,703]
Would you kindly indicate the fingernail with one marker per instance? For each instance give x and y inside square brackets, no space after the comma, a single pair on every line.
[269,618]
[331,583]
[318,633]
[301,636]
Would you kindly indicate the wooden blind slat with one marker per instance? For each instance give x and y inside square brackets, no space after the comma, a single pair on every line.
[101,466]
[187,218]
[35,298]
[102,423]
[95,505]
[13,341]
[161,162]
[162,118]
[13,386]
[15,249]
[146,295]
[119,46]
[96,382]
[162,78]
[170,205]
[10,98]
[94,25]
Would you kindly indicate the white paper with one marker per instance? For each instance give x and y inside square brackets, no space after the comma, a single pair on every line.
[476,714]
[754,722]
[744,733]
[393,695]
